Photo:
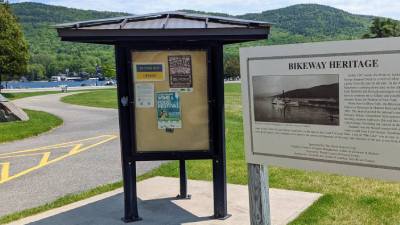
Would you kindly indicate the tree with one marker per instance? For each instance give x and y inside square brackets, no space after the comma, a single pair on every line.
[383,28]
[13,47]
[231,66]
[108,70]
[46,60]
[36,72]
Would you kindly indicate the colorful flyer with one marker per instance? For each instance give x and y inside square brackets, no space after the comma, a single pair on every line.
[168,110]
[144,94]
[180,73]
[149,71]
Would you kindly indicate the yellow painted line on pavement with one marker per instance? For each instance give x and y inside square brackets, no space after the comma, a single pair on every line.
[77,148]
[4,171]
[22,155]
[66,144]
[45,158]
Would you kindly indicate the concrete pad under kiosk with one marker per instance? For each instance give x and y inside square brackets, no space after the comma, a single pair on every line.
[158,206]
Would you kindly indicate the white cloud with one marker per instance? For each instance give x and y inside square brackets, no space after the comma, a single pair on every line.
[386,8]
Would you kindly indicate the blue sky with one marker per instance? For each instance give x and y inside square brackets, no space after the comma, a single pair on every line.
[386,8]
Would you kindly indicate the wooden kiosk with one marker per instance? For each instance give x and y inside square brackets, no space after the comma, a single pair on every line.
[170,89]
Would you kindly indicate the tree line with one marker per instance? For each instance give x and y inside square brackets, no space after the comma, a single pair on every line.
[45,56]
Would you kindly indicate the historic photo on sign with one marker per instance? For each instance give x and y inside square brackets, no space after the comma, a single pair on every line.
[303,99]
[180,72]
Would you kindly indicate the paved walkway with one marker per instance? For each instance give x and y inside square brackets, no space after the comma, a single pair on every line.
[81,154]
[79,88]
[157,206]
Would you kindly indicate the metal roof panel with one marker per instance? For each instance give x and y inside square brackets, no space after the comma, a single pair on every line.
[145,24]
[175,20]
[165,26]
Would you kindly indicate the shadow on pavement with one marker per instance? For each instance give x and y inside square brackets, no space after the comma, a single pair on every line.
[110,210]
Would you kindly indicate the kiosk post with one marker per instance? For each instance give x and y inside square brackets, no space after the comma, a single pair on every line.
[131,214]
[219,170]
[183,180]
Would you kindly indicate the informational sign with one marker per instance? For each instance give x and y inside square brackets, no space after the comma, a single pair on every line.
[144,95]
[149,71]
[168,110]
[179,120]
[180,72]
[331,106]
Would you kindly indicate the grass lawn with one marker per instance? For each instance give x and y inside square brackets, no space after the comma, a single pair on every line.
[346,200]
[38,122]
[100,98]
[13,96]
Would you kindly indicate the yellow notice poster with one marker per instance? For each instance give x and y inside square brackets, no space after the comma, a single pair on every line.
[149,71]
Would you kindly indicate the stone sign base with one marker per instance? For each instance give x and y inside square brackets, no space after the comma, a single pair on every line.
[10,112]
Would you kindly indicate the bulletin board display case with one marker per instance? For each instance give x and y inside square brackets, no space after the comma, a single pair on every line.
[171,100]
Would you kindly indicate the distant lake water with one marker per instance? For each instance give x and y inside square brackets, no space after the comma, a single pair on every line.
[265,111]
[45,84]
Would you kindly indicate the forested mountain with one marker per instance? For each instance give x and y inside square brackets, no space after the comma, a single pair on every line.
[308,23]
[50,56]
[36,13]
[315,20]
[294,24]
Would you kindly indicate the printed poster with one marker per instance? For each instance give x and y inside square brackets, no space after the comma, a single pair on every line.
[180,73]
[149,71]
[144,95]
[168,110]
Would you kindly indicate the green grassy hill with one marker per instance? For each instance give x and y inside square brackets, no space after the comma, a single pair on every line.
[294,24]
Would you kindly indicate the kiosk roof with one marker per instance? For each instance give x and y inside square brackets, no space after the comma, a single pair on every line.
[164,26]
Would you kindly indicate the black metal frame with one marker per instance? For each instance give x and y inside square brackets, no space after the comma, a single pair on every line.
[128,164]
[216,152]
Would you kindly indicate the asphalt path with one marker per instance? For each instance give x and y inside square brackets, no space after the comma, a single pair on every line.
[81,154]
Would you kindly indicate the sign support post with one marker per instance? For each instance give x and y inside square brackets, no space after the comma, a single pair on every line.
[259,195]
[128,165]
[219,162]
[183,180]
